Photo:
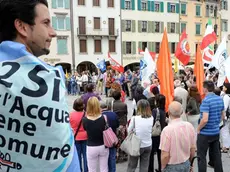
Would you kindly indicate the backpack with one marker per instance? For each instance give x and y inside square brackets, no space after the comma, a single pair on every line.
[156,130]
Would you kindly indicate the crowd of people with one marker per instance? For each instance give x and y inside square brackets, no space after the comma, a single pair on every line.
[190,124]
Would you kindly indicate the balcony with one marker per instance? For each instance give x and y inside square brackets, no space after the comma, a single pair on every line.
[97,32]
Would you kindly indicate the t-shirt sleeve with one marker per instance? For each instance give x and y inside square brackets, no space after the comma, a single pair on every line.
[165,141]
[204,107]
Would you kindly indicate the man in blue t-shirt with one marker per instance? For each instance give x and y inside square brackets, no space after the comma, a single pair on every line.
[211,114]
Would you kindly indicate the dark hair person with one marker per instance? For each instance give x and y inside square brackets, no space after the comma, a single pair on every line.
[26,34]
[142,124]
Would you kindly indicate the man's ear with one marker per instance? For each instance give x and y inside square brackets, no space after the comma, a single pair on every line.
[21,27]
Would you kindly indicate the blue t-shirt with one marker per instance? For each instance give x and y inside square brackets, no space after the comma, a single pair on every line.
[213,105]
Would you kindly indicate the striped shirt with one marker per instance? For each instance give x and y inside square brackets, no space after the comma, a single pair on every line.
[213,105]
[177,139]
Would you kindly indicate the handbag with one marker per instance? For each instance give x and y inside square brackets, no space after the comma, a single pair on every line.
[156,130]
[79,126]
[109,137]
[131,145]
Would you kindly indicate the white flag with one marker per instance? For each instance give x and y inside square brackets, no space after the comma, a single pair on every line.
[148,68]
[227,68]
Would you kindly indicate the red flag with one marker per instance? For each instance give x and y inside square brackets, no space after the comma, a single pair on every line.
[153,54]
[115,65]
[164,71]
[182,51]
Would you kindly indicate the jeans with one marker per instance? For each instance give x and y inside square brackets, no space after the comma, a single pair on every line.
[183,167]
[73,89]
[81,150]
[203,144]
[155,148]
[112,159]
[144,160]
[97,155]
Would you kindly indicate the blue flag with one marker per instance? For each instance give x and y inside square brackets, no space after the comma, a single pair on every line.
[101,65]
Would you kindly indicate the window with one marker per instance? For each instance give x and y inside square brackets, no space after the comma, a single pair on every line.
[157,47]
[144,26]
[61,24]
[224,25]
[172,8]
[62,46]
[183,9]
[112,46]
[173,47]
[83,46]
[157,7]
[97,46]
[172,27]
[128,47]
[157,27]
[60,4]
[144,6]
[215,11]
[182,27]
[110,3]
[198,25]
[196,45]
[128,5]
[96,2]
[207,10]
[225,5]
[144,45]
[97,23]
[81,2]
[128,25]
[198,10]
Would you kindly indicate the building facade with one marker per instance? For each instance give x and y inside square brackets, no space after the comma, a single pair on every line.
[143,24]
[60,49]
[225,23]
[97,31]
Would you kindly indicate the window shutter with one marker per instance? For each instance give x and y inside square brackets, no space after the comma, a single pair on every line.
[139,5]
[154,46]
[178,28]
[153,27]
[122,4]
[54,4]
[169,7]
[67,4]
[67,21]
[140,45]
[54,22]
[124,47]
[152,5]
[133,4]
[162,27]
[162,7]
[149,27]
[123,25]
[133,26]
[168,27]
[62,46]
[226,5]
[150,46]
[169,44]
[139,26]
[177,8]
[133,47]
[149,5]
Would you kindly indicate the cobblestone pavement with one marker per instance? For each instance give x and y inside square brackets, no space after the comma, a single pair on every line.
[121,167]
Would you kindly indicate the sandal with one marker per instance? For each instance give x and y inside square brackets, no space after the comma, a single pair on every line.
[224,150]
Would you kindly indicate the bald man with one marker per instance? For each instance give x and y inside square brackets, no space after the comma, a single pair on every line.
[178,142]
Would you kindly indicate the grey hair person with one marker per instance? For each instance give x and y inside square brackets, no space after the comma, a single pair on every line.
[175,109]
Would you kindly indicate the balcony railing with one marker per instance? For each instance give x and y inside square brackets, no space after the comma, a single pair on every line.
[97,32]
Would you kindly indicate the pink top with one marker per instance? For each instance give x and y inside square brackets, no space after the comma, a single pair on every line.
[75,118]
[177,139]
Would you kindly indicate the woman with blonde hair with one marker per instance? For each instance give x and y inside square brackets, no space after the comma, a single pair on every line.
[142,125]
[94,124]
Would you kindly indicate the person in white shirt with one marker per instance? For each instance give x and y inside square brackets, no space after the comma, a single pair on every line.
[142,125]
[179,91]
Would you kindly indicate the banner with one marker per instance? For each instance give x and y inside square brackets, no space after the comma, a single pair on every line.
[35,135]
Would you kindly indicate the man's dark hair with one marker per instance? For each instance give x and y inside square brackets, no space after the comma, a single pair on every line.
[10,10]
[89,88]
[116,95]
[209,85]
